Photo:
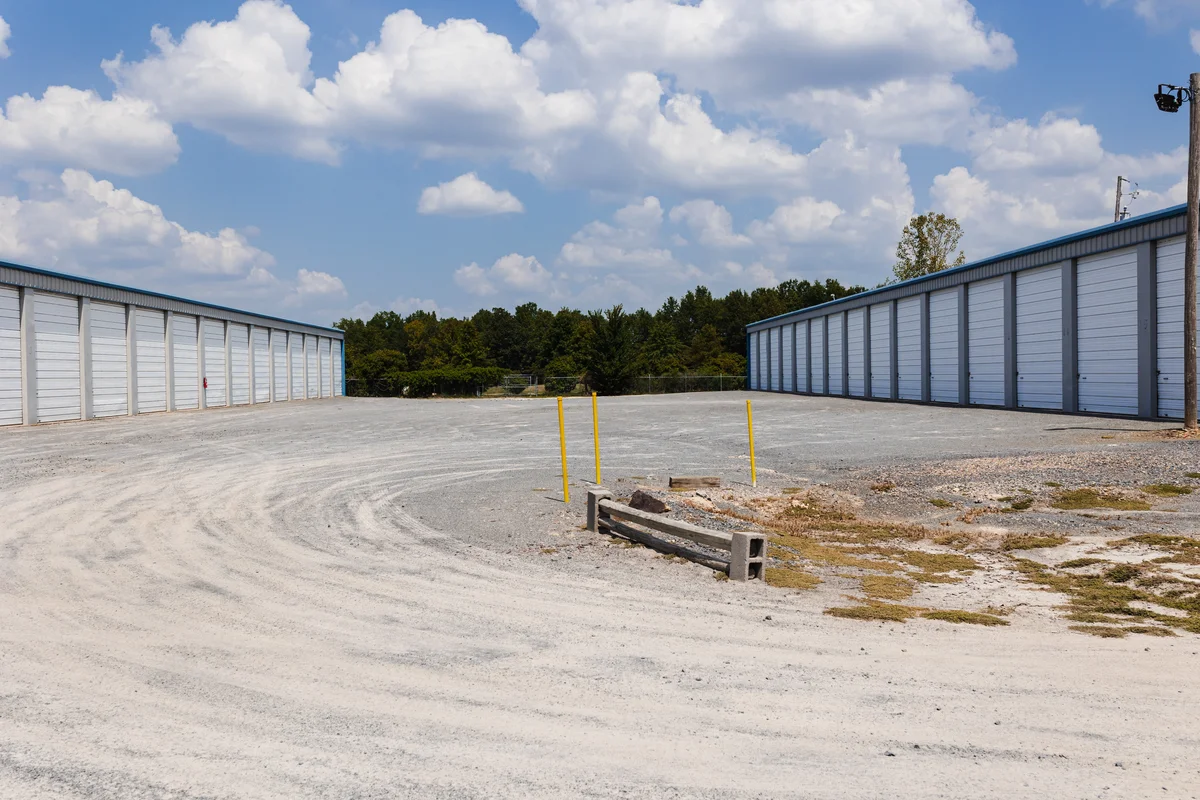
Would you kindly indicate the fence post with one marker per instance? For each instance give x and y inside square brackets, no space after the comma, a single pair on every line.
[593,511]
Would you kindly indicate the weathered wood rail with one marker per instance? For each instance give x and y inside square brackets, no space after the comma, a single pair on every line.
[747,551]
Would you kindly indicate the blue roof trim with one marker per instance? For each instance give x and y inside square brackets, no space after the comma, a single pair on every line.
[1153,216]
[119,287]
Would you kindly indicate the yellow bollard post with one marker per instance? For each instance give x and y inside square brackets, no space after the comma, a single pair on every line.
[596,435]
[750,426]
[562,446]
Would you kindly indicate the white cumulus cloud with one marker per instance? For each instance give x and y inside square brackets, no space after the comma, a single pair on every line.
[712,223]
[515,271]
[467,195]
[5,34]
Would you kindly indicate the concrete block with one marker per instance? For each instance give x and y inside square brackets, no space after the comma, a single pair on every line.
[593,508]
[747,556]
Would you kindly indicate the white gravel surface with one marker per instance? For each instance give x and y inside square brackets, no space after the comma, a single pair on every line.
[349,599]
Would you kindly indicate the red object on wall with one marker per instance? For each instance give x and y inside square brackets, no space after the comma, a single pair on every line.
[206,383]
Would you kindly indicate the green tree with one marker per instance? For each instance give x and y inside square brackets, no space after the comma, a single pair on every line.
[661,351]
[609,360]
[927,245]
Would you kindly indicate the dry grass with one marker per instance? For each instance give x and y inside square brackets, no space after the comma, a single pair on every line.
[967,617]
[1079,499]
[549,551]
[1192,475]
[939,562]
[1103,631]
[883,486]
[1027,541]
[940,503]
[1166,490]
[887,587]
[1021,504]
[812,550]
[875,612]
[786,578]
[1076,563]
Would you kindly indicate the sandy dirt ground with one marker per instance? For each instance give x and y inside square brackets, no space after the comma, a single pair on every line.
[351,599]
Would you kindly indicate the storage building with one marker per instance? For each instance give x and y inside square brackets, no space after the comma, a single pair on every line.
[1088,323]
[73,348]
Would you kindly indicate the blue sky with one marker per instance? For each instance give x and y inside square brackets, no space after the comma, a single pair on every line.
[332,157]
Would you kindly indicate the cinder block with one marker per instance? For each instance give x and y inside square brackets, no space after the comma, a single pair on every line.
[747,556]
[593,508]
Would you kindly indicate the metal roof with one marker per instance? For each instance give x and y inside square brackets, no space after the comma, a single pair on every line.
[48,281]
[1135,230]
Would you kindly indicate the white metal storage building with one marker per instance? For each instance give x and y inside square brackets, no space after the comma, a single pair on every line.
[73,348]
[1088,323]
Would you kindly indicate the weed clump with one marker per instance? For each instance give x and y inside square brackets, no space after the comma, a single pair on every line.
[887,587]
[1022,504]
[1123,573]
[940,503]
[1166,490]
[1103,631]
[786,578]
[1192,475]
[967,617]
[883,486]
[1026,541]
[1053,484]
[1076,563]
[875,612]
[1079,499]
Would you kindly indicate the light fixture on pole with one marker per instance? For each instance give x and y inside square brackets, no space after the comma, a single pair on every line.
[1170,99]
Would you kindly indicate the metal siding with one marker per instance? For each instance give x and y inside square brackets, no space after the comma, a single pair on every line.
[337,368]
[56,333]
[262,365]
[836,345]
[279,356]
[854,333]
[802,357]
[764,374]
[187,362]
[881,350]
[908,346]
[110,361]
[1170,328]
[214,362]
[10,356]
[1039,338]
[326,367]
[151,333]
[239,363]
[296,354]
[985,342]
[1108,332]
[818,356]
[776,353]
[789,348]
[314,376]
[943,346]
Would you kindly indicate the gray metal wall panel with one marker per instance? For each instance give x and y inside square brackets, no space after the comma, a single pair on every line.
[817,345]
[261,356]
[279,357]
[943,346]
[314,374]
[56,329]
[1108,332]
[1039,338]
[1170,328]
[881,350]
[110,360]
[985,343]
[214,363]
[856,365]
[836,347]
[802,357]
[1070,319]
[323,351]
[184,335]
[239,364]
[10,356]
[789,349]
[296,349]
[150,329]
[908,345]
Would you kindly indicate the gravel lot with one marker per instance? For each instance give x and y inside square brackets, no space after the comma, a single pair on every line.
[355,599]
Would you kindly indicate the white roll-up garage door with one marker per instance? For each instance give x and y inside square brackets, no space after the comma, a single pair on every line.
[110,360]
[764,362]
[10,356]
[801,356]
[985,342]
[789,347]
[855,335]
[752,359]
[151,351]
[186,362]
[943,346]
[296,353]
[262,365]
[314,369]
[1107,332]
[337,370]
[817,347]
[773,338]
[1170,328]
[279,359]
[214,363]
[881,350]
[326,367]
[56,337]
[1039,338]
[837,342]
[239,363]
[908,347]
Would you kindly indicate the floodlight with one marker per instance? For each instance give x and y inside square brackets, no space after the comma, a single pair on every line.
[1170,98]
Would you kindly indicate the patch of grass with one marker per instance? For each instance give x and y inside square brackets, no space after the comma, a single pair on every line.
[887,587]
[934,577]
[883,486]
[1076,563]
[549,551]
[1192,475]
[1103,631]
[793,490]
[1024,491]
[1151,630]
[940,503]
[1053,484]
[721,576]
[1028,541]
[1123,573]
[1092,617]
[998,611]
[1077,499]
[1023,504]
[1166,490]
[940,562]
[1005,499]
[785,578]
[810,549]
[812,510]
[875,612]
[959,540]
[968,617]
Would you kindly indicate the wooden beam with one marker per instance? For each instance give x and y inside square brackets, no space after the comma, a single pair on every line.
[695,483]
[654,543]
[684,530]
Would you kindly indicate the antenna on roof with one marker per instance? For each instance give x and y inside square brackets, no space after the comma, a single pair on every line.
[1118,212]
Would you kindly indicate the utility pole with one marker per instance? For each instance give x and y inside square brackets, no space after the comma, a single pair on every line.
[1117,210]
